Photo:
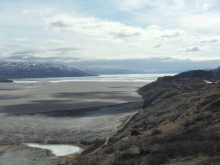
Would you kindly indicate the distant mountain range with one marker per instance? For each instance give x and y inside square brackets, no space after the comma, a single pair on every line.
[37,70]
[100,71]
[13,70]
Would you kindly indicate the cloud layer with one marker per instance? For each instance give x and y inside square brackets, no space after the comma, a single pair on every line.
[108,29]
[195,49]
[71,31]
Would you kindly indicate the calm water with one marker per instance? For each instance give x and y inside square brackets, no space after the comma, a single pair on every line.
[101,78]
[58,150]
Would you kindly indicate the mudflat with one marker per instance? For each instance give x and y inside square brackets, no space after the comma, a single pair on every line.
[60,113]
[29,98]
[67,112]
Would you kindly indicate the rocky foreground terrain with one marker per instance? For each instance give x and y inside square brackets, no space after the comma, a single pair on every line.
[179,125]
[37,70]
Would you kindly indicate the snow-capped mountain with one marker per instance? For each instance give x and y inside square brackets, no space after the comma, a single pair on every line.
[38,70]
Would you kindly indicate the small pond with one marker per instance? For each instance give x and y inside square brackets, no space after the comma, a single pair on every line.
[57,149]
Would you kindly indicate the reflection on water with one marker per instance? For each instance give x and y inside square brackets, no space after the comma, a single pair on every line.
[102,78]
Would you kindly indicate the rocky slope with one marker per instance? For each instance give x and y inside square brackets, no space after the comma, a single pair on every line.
[37,70]
[179,125]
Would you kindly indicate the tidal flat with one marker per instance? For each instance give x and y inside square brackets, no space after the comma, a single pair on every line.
[61,113]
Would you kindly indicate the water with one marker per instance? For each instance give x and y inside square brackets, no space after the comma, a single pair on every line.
[57,150]
[102,78]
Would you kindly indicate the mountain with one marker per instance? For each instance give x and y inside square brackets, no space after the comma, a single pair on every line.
[2,77]
[37,70]
[178,124]
[100,71]
[216,71]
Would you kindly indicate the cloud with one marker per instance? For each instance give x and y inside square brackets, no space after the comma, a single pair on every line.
[157,32]
[157,45]
[26,11]
[38,12]
[195,49]
[94,27]
[21,39]
[135,45]
[30,58]
[128,5]
[209,40]
[192,40]
[65,50]
[42,51]
[54,41]
[23,53]
[173,33]
[202,7]
[110,30]
[202,21]
[204,40]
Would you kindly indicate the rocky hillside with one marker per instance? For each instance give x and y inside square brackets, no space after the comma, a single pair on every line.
[37,70]
[179,125]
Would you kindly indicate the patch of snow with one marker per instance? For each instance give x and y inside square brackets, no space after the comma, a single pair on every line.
[208,82]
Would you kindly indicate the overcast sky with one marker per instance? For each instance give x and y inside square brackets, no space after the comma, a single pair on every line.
[156,34]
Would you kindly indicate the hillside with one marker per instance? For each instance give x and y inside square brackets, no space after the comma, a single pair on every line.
[37,70]
[179,125]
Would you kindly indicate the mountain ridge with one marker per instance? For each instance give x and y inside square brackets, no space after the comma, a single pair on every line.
[38,70]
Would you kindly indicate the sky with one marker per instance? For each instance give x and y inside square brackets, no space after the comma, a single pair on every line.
[148,35]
